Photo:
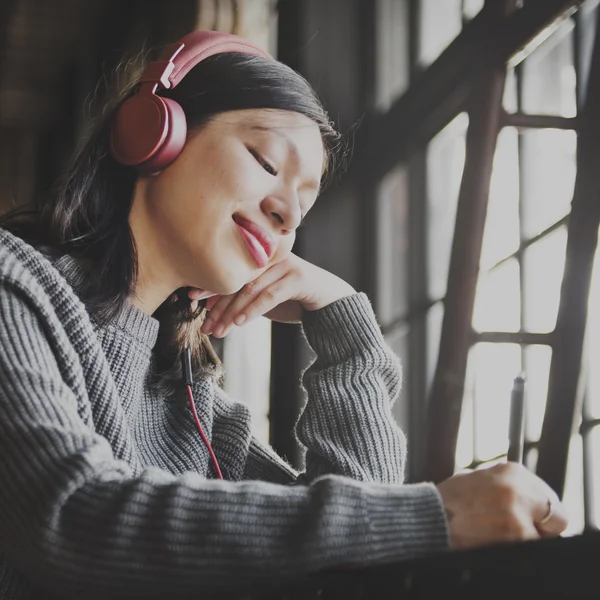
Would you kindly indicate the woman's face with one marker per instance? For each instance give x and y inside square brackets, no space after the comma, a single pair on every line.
[229,206]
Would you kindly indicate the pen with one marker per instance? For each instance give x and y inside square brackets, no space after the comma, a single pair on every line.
[516,434]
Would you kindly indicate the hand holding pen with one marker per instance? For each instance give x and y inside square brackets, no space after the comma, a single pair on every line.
[505,502]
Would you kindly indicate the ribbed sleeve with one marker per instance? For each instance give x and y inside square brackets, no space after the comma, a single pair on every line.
[347,425]
[105,490]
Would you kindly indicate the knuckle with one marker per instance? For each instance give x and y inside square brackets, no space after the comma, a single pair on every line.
[249,288]
[270,293]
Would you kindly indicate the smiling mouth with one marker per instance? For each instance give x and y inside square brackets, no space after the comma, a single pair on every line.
[256,240]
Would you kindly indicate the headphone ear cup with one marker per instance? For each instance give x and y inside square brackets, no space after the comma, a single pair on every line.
[148,132]
[173,142]
[138,129]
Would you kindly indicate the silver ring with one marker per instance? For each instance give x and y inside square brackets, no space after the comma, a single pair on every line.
[548,514]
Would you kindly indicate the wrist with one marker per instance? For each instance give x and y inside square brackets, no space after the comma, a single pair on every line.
[329,296]
[344,329]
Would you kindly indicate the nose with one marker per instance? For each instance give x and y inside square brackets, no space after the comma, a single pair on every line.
[284,213]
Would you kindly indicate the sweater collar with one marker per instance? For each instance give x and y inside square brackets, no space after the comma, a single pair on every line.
[132,321]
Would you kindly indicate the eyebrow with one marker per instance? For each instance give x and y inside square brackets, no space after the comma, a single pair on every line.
[312,183]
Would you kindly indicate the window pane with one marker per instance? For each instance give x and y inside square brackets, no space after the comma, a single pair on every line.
[592,406]
[435,317]
[495,367]
[440,21]
[247,358]
[531,458]
[465,442]
[537,371]
[595,470]
[549,169]
[544,264]
[587,21]
[549,76]
[393,54]
[510,100]
[472,7]
[501,235]
[498,299]
[445,163]
[392,246]
[573,496]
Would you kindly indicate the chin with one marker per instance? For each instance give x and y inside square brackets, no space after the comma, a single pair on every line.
[233,282]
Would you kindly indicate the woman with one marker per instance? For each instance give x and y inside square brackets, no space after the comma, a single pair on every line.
[112,485]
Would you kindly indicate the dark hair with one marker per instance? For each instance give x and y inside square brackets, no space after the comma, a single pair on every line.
[86,216]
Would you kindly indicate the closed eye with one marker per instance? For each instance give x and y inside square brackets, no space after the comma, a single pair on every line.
[263,163]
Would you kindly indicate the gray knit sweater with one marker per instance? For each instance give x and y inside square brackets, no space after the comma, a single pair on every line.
[106,489]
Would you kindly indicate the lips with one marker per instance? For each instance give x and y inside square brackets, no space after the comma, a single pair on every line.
[259,242]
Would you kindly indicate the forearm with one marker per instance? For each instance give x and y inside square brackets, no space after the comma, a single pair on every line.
[158,535]
[347,425]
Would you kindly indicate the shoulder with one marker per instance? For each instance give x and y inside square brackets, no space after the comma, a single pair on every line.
[31,274]
[21,262]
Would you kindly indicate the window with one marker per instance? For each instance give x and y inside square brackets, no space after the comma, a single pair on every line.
[440,21]
[445,163]
[392,246]
[522,262]
[247,358]
[392,51]
[590,426]
[521,271]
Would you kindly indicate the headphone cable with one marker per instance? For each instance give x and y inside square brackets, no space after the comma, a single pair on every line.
[187,375]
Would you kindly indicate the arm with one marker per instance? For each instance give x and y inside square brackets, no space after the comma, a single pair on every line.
[77,521]
[347,425]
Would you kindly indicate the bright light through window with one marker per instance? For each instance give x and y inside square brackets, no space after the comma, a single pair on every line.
[544,264]
[445,164]
[247,360]
[498,299]
[549,76]
[491,372]
[537,371]
[573,496]
[549,166]
[595,483]
[593,344]
[440,21]
[501,236]
[472,8]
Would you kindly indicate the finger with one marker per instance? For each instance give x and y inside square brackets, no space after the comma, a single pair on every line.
[219,308]
[270,298]
[236,312]
[551,517]
[475,530]
[199,294]
[521,530]
[545,509]
[212,301]
[208,323]
[215,309]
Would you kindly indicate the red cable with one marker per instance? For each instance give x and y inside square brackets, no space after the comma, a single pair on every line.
[202,435]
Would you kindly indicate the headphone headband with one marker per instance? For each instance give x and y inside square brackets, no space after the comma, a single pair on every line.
[149,131]
[178,59]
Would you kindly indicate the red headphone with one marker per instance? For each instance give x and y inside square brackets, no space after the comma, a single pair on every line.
[148,132]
